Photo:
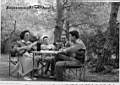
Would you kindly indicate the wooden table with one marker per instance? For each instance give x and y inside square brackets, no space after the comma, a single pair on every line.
[45,52]
[42,53]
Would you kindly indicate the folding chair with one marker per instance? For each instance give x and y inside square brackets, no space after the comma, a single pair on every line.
[13,60]
[42,63]
[75,72]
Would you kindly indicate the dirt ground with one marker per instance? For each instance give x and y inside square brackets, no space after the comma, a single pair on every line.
[4,74]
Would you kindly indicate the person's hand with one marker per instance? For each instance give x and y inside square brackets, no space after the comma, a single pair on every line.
[39,41]
[28,47]
[61,51]
[34,48]
[72,59]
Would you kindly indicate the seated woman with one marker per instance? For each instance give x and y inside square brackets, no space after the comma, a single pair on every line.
[50,60]
[23,48]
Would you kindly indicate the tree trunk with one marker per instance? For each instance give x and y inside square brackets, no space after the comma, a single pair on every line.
[104,60]
[67,15]
[112,25]
[59,21]
[9,40]
[113,17]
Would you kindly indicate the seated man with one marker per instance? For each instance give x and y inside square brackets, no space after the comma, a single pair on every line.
[50,59]
[71,58]
[64,41]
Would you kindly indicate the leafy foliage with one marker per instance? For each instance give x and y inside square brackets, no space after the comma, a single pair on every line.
[38,21]
[90,19]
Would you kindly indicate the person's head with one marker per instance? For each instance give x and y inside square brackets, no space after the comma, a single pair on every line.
[25,35]
[73,35]
[45,40]
[63,38]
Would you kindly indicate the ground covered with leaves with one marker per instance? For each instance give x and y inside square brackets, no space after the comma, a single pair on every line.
[91,77]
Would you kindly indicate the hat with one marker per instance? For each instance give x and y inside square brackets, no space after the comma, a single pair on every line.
[44,36]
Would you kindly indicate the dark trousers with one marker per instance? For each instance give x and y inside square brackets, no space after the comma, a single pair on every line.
[50,62]
[62,62]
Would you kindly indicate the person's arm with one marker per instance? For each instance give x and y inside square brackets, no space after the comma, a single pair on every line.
[73,48]
[27,47]
[51,47]
[70,49]
[33,44]
[21,48]
[79,45]
[18,47]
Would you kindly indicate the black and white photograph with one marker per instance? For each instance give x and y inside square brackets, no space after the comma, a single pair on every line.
[60,41]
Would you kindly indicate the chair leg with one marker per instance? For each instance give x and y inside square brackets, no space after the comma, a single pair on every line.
[76,72]
[18,73]
[41,68]
[33,65]
[9,66]
[83,74]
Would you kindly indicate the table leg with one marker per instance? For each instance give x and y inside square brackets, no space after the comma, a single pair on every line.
[42,66]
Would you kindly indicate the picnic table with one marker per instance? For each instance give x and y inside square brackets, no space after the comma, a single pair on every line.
[41,54]
[45,52]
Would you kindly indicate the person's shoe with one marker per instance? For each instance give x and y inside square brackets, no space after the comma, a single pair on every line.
[45,75]
[52,77]
[27,78]
[36,75]
[34,78]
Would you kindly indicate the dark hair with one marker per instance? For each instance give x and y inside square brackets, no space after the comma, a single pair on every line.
[74,33]
[45,37]
[22,34]
[57,26]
